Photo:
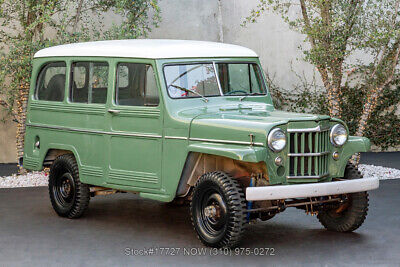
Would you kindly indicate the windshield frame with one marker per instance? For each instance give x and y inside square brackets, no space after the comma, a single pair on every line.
[214,62]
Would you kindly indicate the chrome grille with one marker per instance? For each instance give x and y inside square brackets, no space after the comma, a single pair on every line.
[308,153]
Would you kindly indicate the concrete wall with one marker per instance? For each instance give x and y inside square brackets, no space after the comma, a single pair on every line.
[188,19]
[214,20]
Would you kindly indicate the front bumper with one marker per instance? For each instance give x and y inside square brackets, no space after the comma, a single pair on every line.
[311,189]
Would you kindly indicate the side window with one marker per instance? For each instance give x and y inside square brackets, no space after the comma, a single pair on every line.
[89,82]
[50,85]
[136,85]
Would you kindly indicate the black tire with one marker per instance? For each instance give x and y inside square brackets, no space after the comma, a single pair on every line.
[224,225]
[69,197]
[351,216]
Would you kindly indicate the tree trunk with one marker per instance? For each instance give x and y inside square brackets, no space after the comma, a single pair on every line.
[369,107]
[333,91]
[21,127]
[334,101]
[373,97]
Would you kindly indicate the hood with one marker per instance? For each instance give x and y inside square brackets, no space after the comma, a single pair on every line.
[237,123]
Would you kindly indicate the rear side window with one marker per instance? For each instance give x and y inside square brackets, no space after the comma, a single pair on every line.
[50,84]
[136,85]
[89,82]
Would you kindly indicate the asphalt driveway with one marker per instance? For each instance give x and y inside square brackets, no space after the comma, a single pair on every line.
[116,226]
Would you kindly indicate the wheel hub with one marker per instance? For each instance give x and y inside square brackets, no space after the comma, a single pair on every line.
[65,188]
[211,212]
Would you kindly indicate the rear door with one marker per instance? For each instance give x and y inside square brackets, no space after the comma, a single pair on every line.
[135,142]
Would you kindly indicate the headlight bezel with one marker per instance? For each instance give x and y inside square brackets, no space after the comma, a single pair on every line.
[271,135]
[335,129]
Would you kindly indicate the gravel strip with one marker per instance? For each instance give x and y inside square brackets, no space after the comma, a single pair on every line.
[382,173]
[29,180]
[40,178]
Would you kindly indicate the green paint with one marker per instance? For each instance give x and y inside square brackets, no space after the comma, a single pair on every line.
[144,148]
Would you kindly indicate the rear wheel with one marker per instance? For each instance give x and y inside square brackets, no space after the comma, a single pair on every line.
[69,197]
[218,210]
[351,214]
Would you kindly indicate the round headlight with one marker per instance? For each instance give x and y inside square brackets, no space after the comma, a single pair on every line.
[277,139]
[338,135]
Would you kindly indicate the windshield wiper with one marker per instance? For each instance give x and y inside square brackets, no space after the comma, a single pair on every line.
[190,91]
[243,97]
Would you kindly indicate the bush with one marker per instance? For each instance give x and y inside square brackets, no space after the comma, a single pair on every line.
[383,126]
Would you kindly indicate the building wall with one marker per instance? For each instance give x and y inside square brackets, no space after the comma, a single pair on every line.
[188,20]
[220,20]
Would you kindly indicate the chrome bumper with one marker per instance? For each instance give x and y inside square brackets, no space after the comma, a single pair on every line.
[274,192]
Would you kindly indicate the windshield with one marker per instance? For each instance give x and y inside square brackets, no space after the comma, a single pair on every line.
[200,80]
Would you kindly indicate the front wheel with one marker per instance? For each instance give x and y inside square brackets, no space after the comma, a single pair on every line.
[218,210]
[351,214]
[69,197]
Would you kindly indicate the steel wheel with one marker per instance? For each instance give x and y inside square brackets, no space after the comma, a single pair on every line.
[64,190]
[69,197]
[212,214]
[218,210]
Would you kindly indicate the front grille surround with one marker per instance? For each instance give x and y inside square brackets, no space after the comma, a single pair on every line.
[308,152]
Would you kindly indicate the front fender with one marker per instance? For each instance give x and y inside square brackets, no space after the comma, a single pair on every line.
[355,144]
[237,152]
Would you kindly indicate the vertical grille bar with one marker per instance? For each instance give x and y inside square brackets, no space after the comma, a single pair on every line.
[326,149]
[311,151]
[302,151]
[295,151]
[321,147]
[316,150]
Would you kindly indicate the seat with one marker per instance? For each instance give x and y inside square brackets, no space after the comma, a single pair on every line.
[56,88]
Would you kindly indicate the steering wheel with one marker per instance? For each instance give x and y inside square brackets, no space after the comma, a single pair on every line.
[236,91]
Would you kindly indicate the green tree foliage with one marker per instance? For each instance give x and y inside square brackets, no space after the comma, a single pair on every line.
[27,26]
[346,39]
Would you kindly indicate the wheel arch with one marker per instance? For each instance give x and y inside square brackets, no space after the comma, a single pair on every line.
[197,163]
[55,150]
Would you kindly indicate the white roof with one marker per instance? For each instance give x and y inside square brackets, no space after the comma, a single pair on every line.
[148,48]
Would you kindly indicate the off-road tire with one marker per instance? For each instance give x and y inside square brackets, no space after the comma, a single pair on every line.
[234,218]
[354,215]
[76,203]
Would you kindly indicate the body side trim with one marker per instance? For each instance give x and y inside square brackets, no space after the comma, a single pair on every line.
[226,141]
[150,135]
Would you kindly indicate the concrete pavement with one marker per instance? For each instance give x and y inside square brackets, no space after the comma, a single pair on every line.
[32,234]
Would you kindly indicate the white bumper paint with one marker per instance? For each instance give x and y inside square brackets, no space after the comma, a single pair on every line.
[310,190]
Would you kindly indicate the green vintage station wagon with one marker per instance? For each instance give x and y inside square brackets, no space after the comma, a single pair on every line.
[183,121]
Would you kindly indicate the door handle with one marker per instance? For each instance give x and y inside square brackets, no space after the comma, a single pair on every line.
[114,111]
